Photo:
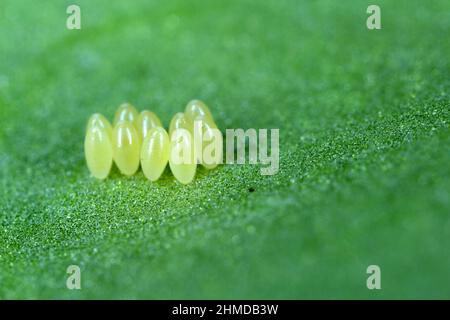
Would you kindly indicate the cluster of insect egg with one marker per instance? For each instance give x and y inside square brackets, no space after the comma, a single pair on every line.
[139,138]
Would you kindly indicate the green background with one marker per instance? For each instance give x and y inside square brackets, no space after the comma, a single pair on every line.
[364,136]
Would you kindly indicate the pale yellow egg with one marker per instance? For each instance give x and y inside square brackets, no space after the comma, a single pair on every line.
[196,108]
[147,120]
[155,153]
[208,142]
[126,112]
[97,119]
[126,147]
[182,161]
[98,146]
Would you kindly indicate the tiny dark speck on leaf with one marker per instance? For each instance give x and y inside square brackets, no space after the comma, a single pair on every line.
[251,189]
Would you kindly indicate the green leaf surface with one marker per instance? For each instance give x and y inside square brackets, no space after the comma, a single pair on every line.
[364,150]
